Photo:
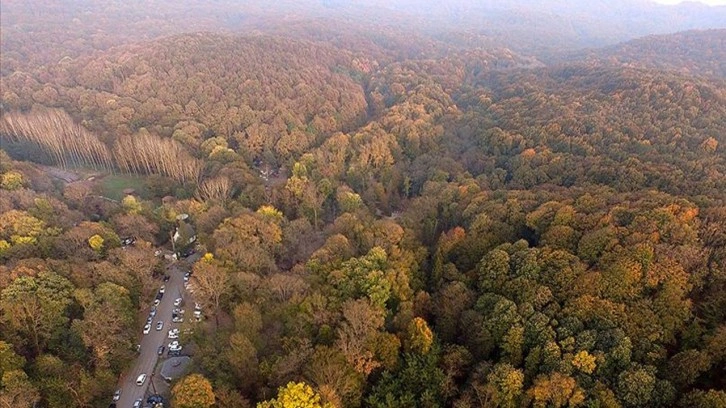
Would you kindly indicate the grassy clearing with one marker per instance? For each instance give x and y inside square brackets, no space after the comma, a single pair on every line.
[112,186]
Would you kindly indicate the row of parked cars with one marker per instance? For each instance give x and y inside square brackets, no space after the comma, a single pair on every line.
[174,347]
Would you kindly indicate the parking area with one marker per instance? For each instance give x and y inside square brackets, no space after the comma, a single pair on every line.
[161,338]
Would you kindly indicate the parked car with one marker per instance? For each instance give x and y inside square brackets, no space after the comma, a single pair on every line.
[117,395]
[160,350]
[157,301]
[162,289]
[178,302]
[159,325]
[177,311]
[152,313]
[166,278]
[174,334]
[141,379]
[138,402]
[178,319]
[147,328]
[172,353]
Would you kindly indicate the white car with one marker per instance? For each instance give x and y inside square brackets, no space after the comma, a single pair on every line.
[178,320]
[156,302]
[178,311]
[174,334]
[117,395]
[141,379]
[162,289]
[159,325]
[147,328]
[178,302]
[175,346]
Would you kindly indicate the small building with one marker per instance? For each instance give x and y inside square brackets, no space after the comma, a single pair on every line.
[174,368]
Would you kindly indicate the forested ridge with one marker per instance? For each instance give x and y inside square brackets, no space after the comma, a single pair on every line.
[386,218]
[689,52]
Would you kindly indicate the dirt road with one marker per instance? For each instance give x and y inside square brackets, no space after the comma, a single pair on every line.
[148,357]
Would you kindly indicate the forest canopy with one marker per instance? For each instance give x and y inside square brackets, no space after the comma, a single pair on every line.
[392,212]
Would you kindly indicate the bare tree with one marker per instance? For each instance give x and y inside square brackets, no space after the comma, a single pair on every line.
[53,130]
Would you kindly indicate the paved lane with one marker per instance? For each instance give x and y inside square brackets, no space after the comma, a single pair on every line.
[146,361]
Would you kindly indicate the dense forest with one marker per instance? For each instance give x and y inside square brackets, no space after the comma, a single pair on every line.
[390,215]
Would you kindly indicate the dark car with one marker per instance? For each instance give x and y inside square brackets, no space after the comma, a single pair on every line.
[155,399]
[175,353]
[160,350]
[166,278]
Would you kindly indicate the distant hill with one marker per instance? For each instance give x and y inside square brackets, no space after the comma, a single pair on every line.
[43,31]
[263,91]
[689,52]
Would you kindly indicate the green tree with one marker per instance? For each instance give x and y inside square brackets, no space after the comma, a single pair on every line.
[108,322]
[16,390]
[34,307]
[364,276]
[418,382]
[635,387]
[9,360]
[704,399]
[131,205]
[507,383]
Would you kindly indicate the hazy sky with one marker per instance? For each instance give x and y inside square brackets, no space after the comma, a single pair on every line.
[709,2]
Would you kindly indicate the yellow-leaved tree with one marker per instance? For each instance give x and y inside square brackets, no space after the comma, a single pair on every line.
[584,362]
[419,336]
[11,180]
[96,243]
[295,395]
[193,391]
